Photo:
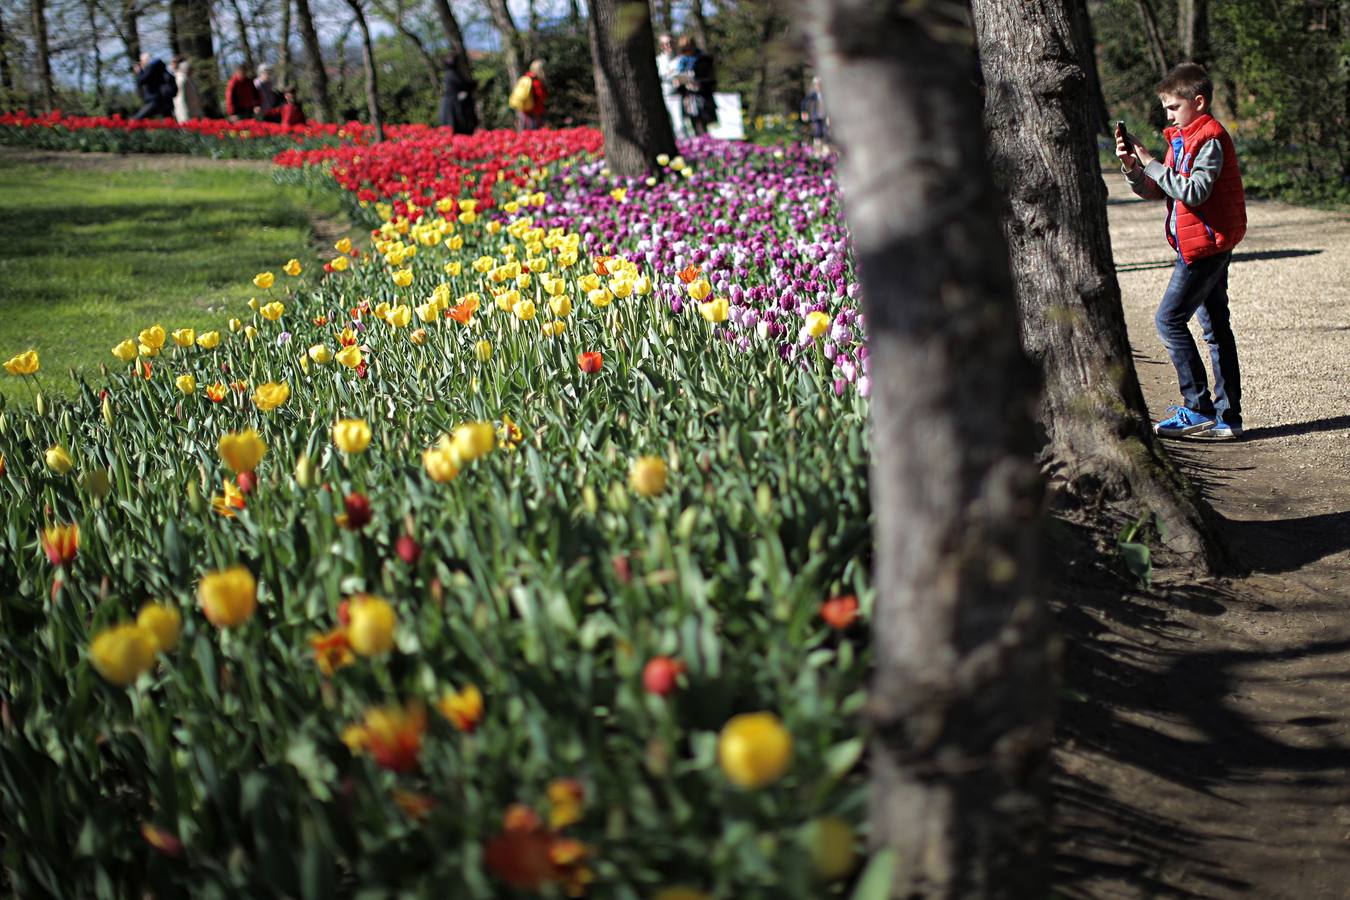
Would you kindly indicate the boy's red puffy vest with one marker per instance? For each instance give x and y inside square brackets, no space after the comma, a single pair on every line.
[1218,224]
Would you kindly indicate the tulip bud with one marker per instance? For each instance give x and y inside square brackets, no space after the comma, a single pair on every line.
[660,674]
[41,405]
[304,471]
[98,483]
[247,482]
[408,549]
[194,498]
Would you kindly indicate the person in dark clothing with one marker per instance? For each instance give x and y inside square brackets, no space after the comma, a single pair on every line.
[241,97]
[157,89]
[697,83]
[458,110]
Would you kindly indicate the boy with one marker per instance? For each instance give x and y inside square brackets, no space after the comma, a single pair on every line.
[1206,218]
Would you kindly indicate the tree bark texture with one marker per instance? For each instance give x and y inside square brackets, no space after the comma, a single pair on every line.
[38,12]
[245,45]
[633,114]
[1086,44]
[318,71]
[698,24]
[131,31]
[372,74]
[1153,39]
[961,696]
[454,35]
[6,69]
[284,46]
[91,12]
[1099,442]
[1193,30]
[513,52]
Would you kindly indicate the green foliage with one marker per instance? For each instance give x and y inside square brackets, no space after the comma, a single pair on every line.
[88,256]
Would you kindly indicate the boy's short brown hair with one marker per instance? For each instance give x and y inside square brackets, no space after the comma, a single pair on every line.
[1187,80]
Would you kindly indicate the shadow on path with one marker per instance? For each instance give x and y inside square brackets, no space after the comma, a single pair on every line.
[1241,256]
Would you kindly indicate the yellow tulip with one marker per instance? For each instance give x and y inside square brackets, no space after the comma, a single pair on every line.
[600,297]
[699,288]
[228,597]
[163,624]
[589,282]
[418,337]
[483,350]
[208,340]
[242,450]
[186,383]
[250,332]
[754,750]
[340,263]
[235,325]
[553,329]
[621,287]
[343,246]
[399,316]
[253,303]
[350,356]
[184,337]
[453,268]
[263,280]
[371,627]
[524,309]
[440,464]
[272,311]
[474,439]
[716,310]
[642,285]
[25,363]
[271,395]
[817,323]
[648,475]
[125,351]
[351,435]
[147,350]
[152,337]
[320,353]
[58,460]
[122,653]
[561,306]
[429,312]
[833,846]
[403,277]
[292,268]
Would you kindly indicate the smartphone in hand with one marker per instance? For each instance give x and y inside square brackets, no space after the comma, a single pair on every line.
[1124,135]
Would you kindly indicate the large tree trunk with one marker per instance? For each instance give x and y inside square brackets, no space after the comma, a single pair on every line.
[318,71]
[6,67]
[368,59]
[1153,39]
[961,696]
[190,25]
[513,52]
[284,45]
[1086,44]
[633,115]
[38,11]
[130,31]
[1099,440]
[1193,30]
[454,35]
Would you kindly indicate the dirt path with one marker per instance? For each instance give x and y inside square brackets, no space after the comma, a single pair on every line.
[1205,746]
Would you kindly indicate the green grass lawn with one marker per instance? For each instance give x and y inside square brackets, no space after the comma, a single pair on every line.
[91,253]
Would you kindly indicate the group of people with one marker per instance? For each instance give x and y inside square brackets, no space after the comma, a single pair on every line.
[688,82]
[258,98]
[170,91]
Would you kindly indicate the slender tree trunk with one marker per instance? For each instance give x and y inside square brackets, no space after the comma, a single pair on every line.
[1193,30]
[195,41]
[663,12]
[574,14]
[38,11]
[1100,444]
[532,31]
[175,26]
[633,115]
[513,52]
[395,17]
[241,29]
[767,28]
[284,45]
[961,696]
[1157,48]
[91,12]
[131,31]
[453,34]
[372,74]
[6,67]
[318,71]
[699,24]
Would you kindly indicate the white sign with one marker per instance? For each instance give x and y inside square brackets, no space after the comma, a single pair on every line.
[730,125]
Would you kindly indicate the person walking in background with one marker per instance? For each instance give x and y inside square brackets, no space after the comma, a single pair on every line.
[186,103]
[458,103]
[815,117]
[529,97]
[241,97]
[668,68]
[697,83]
[157,89]
[269,100]
[292,113]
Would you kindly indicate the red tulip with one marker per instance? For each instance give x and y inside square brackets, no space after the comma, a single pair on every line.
[247,481]
[590,361]
[357,509]
[839,612]
[660,674]
[408,549]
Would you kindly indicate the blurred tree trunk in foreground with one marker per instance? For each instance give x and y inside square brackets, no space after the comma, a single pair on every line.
[961,698]
[1099,440]
[633,113]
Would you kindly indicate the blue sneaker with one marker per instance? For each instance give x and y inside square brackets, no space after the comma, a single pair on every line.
[1183,423]
[1224,432]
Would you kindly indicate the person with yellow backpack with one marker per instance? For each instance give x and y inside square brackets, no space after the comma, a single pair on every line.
[529,96]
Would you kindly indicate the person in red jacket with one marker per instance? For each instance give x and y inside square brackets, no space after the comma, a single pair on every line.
[241,97]
[292,113]
[534,118]
[1206,218]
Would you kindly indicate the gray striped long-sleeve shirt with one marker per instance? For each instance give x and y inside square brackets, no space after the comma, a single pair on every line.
[1155,181]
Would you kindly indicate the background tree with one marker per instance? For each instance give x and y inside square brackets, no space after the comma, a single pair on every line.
[513,50]
[961,696]
[372,71]
[1193,31]
[318,69]
[38,12]
[633,114]
[284,45]
[1157,47]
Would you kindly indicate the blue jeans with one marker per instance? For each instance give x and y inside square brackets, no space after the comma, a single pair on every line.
[1201,290]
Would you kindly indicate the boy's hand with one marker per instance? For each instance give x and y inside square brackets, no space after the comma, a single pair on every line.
[1141,153]
[1126,152]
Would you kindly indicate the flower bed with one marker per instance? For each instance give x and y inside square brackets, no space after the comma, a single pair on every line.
[506,554]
